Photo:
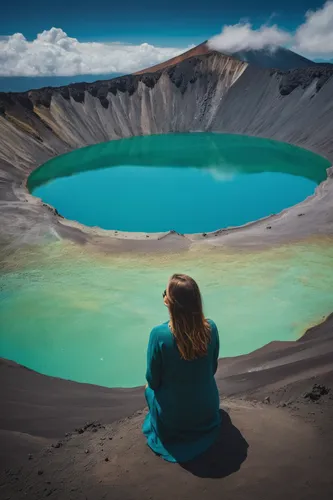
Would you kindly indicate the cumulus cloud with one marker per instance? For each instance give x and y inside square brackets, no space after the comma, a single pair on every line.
[53,52]
[243,36]
[312,38]
[315,36]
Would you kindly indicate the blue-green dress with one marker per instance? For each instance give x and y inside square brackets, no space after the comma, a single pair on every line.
[182,396]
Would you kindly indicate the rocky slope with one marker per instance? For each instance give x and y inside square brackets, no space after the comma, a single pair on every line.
[280,58]
[62,439]
[209,92]
[199,50]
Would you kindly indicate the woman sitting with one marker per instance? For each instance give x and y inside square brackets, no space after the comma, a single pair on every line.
[182,396]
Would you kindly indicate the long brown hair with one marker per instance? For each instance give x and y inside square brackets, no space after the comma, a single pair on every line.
[187,322]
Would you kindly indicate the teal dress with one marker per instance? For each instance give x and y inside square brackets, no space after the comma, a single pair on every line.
[182,396]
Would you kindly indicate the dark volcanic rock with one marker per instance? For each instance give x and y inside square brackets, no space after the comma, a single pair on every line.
[41,97]
[64,92]
[182,74]
[317,392]
[151,79]
[303,77]
[24,100]
[186,72]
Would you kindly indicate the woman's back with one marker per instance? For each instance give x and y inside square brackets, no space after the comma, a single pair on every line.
[182,395]
[183,419]
[181,372]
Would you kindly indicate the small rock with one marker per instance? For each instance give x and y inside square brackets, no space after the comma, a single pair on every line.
[67,434]
[300,215]
[40,472]
[106,459]
[317,392]
[147,235]
[86,451]
[204,234]
[267,400]
[30,456]
[80,431]
[110,438]
[269,227]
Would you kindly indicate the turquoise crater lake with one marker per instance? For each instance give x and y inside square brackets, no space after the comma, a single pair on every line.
[192,183]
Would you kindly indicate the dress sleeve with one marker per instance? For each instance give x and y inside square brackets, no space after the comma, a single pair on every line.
[153,374]
[216,347]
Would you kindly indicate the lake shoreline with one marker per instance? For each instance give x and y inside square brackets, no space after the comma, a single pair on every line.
[40,414]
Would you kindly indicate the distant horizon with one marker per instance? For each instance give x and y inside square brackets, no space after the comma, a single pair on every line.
[59,47]
[27,83]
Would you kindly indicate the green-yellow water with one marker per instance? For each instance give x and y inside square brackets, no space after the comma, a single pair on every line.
[68,312]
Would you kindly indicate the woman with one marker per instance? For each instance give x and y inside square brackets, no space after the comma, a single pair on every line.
[183,419]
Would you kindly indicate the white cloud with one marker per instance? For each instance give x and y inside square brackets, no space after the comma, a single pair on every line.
[221,176]
[242,36]
[315,36]
[53,52]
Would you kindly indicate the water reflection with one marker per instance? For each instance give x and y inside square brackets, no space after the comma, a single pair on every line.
[225,154]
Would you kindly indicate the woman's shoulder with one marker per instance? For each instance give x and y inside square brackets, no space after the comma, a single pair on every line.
[212,324]
[160,331]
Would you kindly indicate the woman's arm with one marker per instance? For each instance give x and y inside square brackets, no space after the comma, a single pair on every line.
[153,374]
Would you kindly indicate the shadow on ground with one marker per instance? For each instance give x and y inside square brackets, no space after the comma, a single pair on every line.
[225,456]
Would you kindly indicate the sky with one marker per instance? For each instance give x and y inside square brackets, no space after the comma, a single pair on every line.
[69,39]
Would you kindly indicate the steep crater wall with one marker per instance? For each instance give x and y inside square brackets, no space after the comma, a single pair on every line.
[211,92]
